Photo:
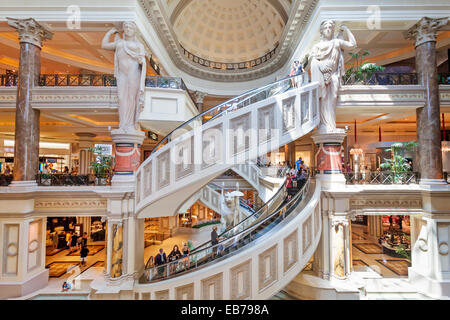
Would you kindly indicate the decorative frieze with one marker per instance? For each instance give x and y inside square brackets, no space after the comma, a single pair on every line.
[71,203]
[386,203]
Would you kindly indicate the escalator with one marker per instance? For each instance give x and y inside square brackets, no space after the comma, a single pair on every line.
[235,239]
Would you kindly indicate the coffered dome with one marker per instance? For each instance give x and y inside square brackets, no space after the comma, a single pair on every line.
[229,31]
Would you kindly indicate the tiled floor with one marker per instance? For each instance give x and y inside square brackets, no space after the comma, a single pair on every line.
[369,253]
[63,264]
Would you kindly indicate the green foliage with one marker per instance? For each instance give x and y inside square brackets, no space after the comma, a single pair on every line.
[361,72]
[103,164]
[397,162]
[201,225]
[401,250]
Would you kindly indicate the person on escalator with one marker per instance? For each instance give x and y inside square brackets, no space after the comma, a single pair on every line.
[160,259]
[173,257]
[215,240]
[186,252]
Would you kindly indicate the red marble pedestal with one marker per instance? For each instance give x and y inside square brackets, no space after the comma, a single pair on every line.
[328,158]
[128,155]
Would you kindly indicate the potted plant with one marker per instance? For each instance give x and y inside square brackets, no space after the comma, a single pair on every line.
[361,72]
[102,166]
[398,164]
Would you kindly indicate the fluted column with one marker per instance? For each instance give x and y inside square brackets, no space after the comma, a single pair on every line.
[375,226]
[26,148]
[86,156]
[428,117]
[341,262]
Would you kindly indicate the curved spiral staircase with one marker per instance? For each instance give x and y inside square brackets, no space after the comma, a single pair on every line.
[266,250]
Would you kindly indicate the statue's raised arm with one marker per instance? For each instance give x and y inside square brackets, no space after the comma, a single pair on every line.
[351,42]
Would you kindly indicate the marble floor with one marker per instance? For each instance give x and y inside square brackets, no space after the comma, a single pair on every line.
[368,257]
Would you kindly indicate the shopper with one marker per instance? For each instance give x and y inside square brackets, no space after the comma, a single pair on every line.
[215,240]
[84,239]
[68,240]
[66,286]
[160,259]
[83,255]
[74,243]
[174,255]
[185,250]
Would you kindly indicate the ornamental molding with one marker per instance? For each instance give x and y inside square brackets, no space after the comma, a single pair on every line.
[382,97]
[386,203]
[294,29]
[74,98]
[425,30]
[30,31]
[71,204]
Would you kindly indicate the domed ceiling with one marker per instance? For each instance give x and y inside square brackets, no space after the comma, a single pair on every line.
[229,31]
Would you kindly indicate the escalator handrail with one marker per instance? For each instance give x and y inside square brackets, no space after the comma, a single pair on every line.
[300,193]
[254,214]
[199,116]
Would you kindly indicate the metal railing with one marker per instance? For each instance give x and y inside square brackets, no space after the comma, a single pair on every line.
[8,80]
[77,80]
[168,82]
[382,177]
[5,179]
[61,179]
[380,78]
[236,238]
[234,104]
[444,78]
[229,65]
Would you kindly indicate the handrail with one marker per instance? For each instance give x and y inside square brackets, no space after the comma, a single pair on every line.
[274,219]
[382,177]
[233,103]
[256,214]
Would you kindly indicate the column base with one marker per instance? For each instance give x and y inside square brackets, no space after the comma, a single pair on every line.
[119,180]
[23,184]
[329,182]
[433,288]
[19,289]
[432,182]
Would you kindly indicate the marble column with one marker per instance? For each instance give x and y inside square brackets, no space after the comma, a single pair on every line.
[199,96]
[26,148]
[86,156]
[341,263]
[428,117]
[375,226]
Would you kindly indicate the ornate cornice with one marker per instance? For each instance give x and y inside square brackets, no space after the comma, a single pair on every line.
[425,30]
[386,203]
[30,31]
[300,15]
[71,204]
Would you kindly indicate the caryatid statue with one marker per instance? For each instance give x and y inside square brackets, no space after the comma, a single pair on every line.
[129,70]
[327,68]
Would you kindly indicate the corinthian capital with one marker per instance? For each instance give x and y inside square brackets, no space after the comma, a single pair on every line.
[30,31]
[199,96]
[425,30]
